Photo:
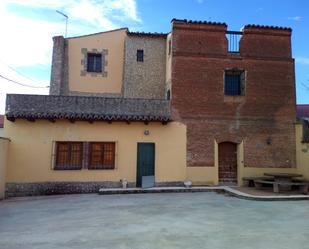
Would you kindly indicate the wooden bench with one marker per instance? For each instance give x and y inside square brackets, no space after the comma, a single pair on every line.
[251,179]
[303,186]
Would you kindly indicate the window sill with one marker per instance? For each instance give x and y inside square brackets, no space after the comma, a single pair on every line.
[100,168]
[94,71]
[67,168]
[233,99]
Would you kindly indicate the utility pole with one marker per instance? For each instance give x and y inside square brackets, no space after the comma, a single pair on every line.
[66,21]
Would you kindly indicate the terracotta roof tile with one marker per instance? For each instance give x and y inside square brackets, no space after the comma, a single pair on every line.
[85,108]
[149,34]
[267,27]
[198,22]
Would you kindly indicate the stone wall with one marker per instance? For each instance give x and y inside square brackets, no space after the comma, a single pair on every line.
[59,66]
[54,188]
[59,188]
[263,118]
[145,79]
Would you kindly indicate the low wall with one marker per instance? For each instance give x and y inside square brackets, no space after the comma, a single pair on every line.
[4,142]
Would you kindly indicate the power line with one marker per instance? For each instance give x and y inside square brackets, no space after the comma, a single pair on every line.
[25,76]
[18,83]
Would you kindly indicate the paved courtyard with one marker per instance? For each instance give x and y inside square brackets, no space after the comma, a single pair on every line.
[152,221]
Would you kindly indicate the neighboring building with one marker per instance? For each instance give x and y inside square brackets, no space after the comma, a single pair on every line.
[302,140]
[200,103]
[303,118]
[1,125]
[302,111]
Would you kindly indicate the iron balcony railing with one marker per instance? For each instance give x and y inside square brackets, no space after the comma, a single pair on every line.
[233,38]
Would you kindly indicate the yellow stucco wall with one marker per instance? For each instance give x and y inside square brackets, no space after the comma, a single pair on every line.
[113,41]
[3,163]
[30,152]
[205,175]
[302,152]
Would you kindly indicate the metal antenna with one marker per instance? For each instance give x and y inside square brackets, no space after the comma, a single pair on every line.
[66,21]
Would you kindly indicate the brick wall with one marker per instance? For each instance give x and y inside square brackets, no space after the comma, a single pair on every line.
[263,117]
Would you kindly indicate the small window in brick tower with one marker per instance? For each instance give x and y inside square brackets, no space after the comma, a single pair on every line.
[234,84]
[140,55]
[94,62]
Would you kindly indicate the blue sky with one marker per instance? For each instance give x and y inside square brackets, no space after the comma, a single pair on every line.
[27,28]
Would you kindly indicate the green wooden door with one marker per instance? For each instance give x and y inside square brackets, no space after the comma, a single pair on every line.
[145,161]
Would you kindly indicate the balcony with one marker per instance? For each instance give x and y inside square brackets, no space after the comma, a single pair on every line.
[233,38]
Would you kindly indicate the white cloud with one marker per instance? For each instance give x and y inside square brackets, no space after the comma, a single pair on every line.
[26,33]
[302,60]
[43,3]
[87,12]
[295,18]
[128,7]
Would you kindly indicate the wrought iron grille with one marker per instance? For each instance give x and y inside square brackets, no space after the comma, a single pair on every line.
[233,38]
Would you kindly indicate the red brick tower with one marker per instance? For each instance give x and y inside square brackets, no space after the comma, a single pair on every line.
[232,96]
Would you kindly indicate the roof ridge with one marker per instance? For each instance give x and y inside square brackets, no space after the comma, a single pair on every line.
[267,27]
[97,33]
[198,22]
[137,33]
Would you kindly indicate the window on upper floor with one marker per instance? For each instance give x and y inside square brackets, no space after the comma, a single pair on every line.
[94,62]
[234,82]
[140,55]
